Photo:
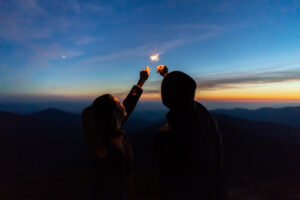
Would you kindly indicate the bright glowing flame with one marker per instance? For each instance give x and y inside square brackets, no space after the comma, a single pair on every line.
[155,57]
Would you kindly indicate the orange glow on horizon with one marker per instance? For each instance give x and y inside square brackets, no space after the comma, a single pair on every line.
[157,97]
[275,92]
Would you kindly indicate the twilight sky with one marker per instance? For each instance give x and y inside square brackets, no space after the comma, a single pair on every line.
[238,51]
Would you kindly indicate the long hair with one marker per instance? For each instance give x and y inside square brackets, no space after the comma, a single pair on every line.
[101,123]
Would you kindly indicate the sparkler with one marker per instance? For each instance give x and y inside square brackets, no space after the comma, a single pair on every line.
[161,69]
[155,57]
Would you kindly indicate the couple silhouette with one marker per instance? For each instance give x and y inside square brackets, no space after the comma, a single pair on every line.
[188,148]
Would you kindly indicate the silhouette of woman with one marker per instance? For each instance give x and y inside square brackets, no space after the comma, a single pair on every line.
[102,125]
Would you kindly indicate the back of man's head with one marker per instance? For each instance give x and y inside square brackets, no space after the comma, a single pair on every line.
[178,90]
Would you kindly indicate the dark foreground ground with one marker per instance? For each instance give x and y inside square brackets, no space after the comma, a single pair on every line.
[77,186]
[44,157]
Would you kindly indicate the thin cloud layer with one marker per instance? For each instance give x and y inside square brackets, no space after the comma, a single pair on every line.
[237,80]
[144,50]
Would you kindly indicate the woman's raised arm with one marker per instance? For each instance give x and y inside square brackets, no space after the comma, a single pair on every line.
[133,97]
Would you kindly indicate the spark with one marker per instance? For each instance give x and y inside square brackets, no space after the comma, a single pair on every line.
[155,57]
[63,56]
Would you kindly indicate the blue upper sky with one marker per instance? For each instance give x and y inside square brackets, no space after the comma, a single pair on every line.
[80,49]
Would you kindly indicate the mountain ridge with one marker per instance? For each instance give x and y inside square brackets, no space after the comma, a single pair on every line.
[52,145]
[286,115]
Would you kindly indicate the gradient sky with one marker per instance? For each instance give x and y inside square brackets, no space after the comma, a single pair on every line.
[238,51]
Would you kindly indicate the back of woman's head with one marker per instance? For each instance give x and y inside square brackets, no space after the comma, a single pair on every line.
[104,110]
[101,121]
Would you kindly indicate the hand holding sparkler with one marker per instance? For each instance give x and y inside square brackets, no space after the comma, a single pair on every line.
[162,70]
[144,75]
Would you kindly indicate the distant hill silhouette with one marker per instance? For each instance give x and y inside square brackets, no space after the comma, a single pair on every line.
[45,142]
[287,115]
[58,117]
[50,143]
[259,149]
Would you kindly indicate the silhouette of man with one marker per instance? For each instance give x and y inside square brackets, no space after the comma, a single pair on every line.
[189,147]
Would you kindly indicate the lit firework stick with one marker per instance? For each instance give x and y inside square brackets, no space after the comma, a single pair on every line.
[155,57]
[161,69]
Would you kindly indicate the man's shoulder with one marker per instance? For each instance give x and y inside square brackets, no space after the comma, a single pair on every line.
[204,112]
[165,128]
[163,132]
[202,108]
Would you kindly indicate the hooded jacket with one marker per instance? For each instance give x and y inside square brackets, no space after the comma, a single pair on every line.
[189,152]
